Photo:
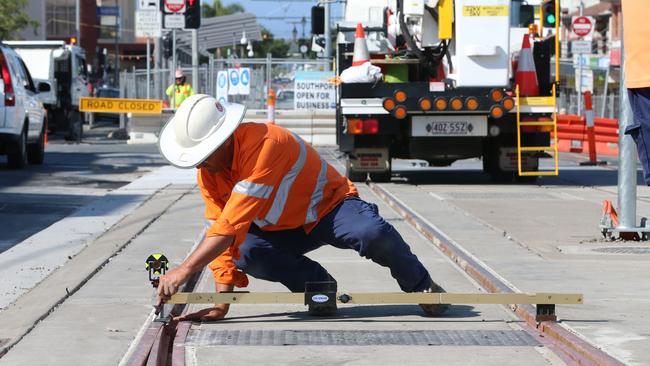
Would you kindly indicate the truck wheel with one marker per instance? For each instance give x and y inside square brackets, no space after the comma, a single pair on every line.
[381,177]
[36,151]
[352,175]
[75,126]
[18,159]
[526,178]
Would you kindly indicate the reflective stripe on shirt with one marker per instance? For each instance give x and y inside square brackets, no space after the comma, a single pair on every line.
[282,194]
[253,189]
[317,196]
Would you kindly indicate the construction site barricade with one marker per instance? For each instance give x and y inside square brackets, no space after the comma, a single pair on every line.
[572,134]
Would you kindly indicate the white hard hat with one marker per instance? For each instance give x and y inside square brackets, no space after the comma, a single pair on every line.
[179,73]
[201,124]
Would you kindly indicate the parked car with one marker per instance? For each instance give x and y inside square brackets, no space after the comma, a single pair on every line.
[284,99]
[23,118]
[107,92]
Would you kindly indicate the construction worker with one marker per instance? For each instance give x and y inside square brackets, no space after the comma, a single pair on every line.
[272,199]
[637,78]
[180,90]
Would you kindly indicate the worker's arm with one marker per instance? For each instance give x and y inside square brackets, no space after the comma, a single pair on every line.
[170,90]
[210,248]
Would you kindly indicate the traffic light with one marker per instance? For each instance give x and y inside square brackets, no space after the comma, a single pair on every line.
[317,20]
[167,44]
[192,14]
[548,11]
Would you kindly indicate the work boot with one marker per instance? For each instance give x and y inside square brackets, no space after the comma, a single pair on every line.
[434,309]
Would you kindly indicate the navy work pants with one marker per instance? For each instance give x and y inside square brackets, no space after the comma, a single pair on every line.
[640,128]
[279,256]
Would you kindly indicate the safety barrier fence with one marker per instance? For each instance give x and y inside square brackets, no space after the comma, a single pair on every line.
[316,127]
[572,134]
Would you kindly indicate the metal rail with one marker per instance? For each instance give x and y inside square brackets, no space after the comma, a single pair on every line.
[568,343]
[162,344]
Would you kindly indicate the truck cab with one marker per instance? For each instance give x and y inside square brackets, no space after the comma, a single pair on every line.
[63,66]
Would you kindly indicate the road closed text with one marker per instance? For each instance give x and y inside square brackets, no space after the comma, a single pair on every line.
[117,105]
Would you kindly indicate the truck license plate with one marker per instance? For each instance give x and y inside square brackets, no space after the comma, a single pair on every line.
[449,126]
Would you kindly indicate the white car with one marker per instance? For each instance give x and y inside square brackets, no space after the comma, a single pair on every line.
[23,118]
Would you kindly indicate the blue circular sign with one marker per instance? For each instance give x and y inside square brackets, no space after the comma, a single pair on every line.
[223,79]
[222,100]
[234,78]
[245,77]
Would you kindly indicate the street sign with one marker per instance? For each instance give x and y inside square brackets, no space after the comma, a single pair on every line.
[174,21]
[313,90]
[582,26]
[174,6]
[149,5]
[108,11]
[147,23]
[245,81]
[233,79]
[222,86]
[118,105]
[586,83]
[581,46]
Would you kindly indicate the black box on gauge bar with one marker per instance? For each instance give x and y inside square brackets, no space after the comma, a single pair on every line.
[320,297]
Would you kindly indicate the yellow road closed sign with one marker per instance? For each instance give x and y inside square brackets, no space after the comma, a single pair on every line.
[118,105]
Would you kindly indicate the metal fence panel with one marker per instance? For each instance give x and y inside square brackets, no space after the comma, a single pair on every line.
[278,74]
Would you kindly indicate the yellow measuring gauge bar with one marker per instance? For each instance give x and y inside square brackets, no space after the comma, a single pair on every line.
[376,298]
[119,105]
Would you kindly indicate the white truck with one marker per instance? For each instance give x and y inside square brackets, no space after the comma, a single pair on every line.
[63,66]
[448,91]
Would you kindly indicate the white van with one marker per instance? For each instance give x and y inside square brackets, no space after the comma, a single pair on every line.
[23,118]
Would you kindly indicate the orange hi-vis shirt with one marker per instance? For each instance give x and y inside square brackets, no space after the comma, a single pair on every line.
[636,31]
[277,181]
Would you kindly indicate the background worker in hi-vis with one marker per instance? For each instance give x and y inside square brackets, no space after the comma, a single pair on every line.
[180,90]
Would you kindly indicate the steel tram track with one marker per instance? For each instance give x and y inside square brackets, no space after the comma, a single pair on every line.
[566,344]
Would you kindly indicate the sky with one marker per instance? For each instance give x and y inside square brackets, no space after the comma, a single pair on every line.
[280,8]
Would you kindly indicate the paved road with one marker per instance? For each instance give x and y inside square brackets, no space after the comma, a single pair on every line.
[72,176]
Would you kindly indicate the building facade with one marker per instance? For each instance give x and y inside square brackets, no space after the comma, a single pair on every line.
[102,33]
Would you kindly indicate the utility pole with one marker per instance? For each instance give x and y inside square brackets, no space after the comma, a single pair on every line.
[173,67]
[117,49]
[77,24]
[195,59]
[328,40]
[157,64]
[580,58]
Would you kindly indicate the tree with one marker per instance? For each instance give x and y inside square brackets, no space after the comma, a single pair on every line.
[13,18]
[217,9]
[269,44]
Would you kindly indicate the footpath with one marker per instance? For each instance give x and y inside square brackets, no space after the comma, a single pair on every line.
[92,306]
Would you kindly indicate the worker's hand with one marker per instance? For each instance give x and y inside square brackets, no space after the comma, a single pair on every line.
[217,312]
[170,282]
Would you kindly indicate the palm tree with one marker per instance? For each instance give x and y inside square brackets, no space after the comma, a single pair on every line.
[218,9]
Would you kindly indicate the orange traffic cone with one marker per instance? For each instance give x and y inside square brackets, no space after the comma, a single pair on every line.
[526,77]
[610,211]
[45,139]
[361,54]
[270,106]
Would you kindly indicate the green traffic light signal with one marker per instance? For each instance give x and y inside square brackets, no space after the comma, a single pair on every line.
[550,19]
[548,8]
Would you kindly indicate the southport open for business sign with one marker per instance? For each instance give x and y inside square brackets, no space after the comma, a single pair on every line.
[118,105]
